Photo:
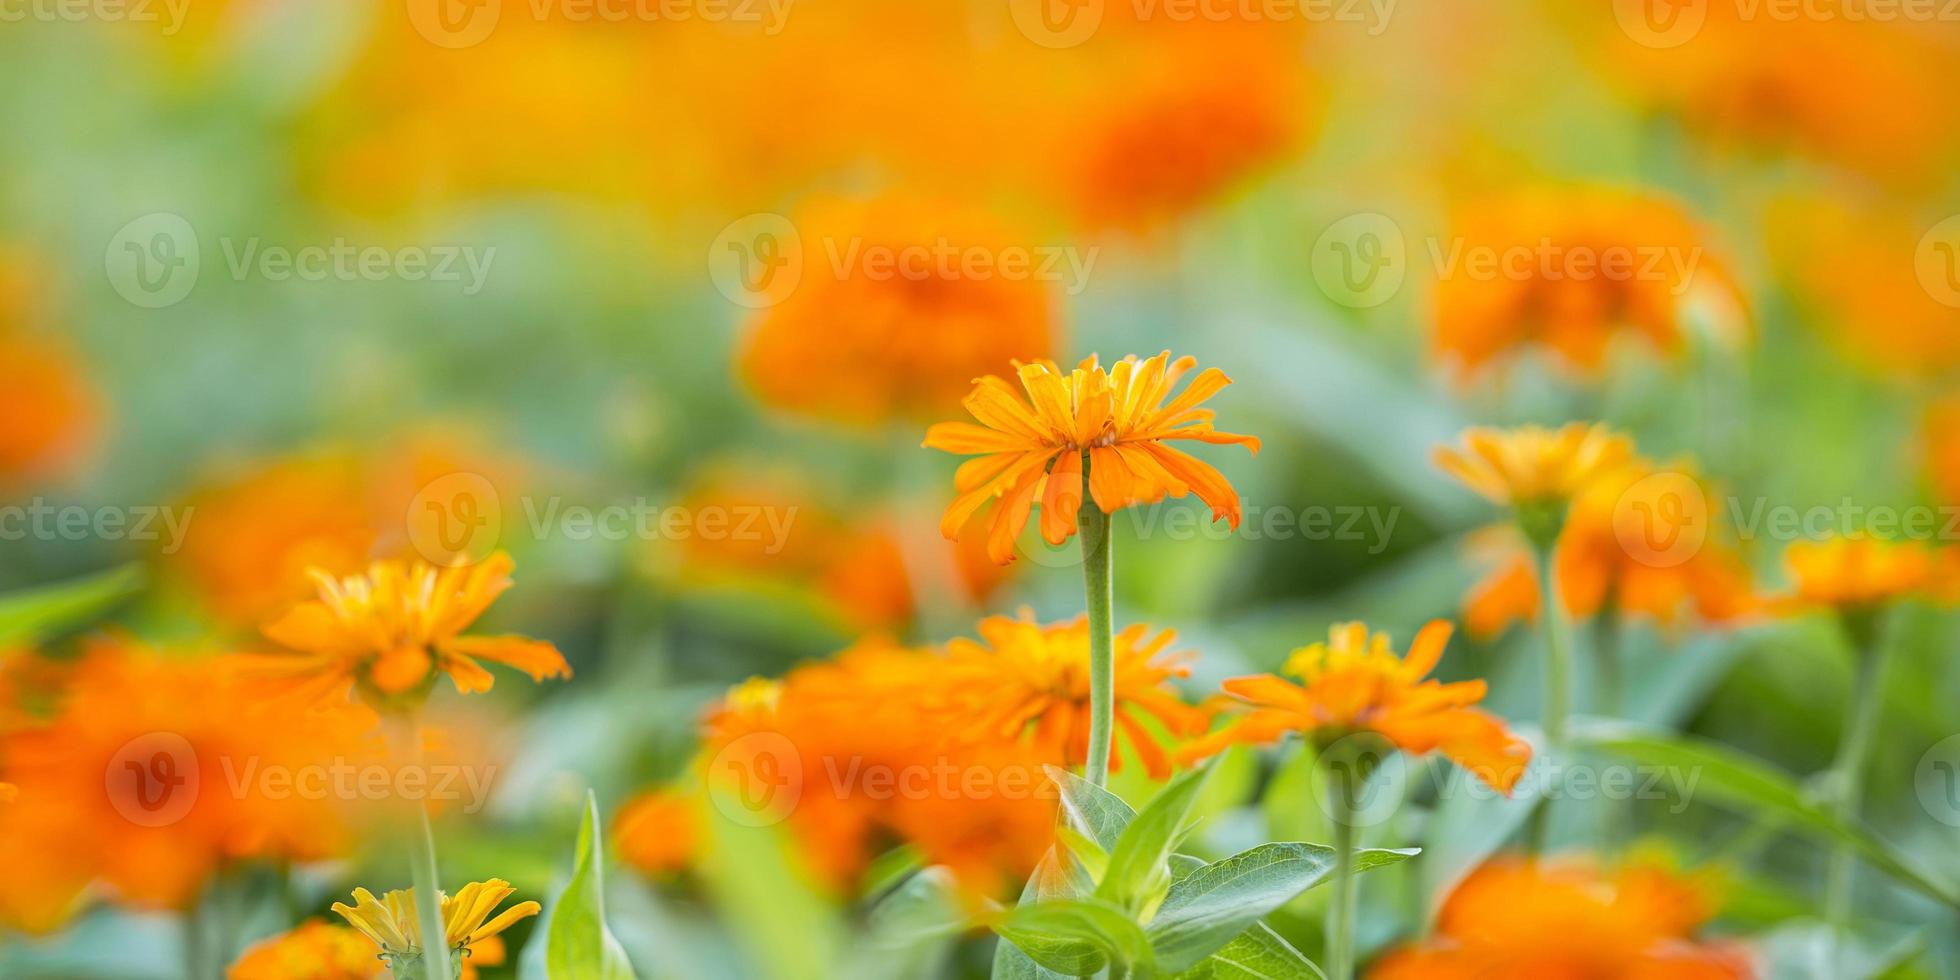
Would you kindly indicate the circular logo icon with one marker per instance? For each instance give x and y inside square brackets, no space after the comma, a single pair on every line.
[756,261]
[455,518]
[756,780]
[1361,260]
[455,23]
[1662,519]
[1661,23]
[1056,23]
[152,780]
[1036,549]
[1937,781]
[1937,261]
[1378,774]
[152,261]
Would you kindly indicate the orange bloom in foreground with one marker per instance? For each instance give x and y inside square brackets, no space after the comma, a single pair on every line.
[1023,680]
[313,951]
[1856,573]
[390,632]
[658,832]
[1112,424]
[1355,683]
[1532,465]
[1560,919]
[1573,269]
[886,322]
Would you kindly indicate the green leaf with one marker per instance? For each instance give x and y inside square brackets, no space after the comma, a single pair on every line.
[1257,954]
[1077,936]
[1086,852]
[578,946]
[785,927]
[1724,775]
[911,930]
[1090,809]
[1208,907]
[1139,863]
[33,614]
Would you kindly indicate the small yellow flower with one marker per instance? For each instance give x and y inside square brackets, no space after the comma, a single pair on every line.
[1532,465]
[391,631]
[390,921]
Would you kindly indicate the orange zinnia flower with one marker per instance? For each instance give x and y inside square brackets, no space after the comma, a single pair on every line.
[1023,680]
[1532,465]
[1554,919]
[1111,426]
[1578,267]
[1858,573]
[869,346]
[312,951]
[658,832]
[390,632]
[1355,683]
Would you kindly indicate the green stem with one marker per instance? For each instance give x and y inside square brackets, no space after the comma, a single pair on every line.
[1092,526]
[1557,681]
[428,906]
[1847,779]
[1615,816]
[1341,907]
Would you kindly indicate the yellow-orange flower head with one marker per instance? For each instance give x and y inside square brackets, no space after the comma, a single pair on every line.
[1859,573]
[1354,684]
[467,927]
[313,951]
[1565,918]
[388,633]
[1113,422]
[1532,464]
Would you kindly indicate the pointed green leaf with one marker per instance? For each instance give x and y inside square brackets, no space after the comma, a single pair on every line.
[1092,809]
[578,946]
[1139,863]
[910,931]
[33,614]
[1209,907]
[1077,936]
[1257,954]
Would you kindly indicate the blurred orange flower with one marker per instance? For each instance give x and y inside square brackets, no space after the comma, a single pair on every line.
[1551,919]
[658,832]
[899,305]
[1880,285]
[1571,269]
[1940,445]
[1354,684]
[471,936]
[1638,539]
[53,408]
[312,951]
[1858,573]
[1023,680]
[1111,426]
[178,741]
[1532,465]
[388,633]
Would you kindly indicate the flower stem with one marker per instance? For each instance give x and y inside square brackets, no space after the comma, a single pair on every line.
[1341,907]
[423,873]
[1557,681]
[1092,526]
[1847,779]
